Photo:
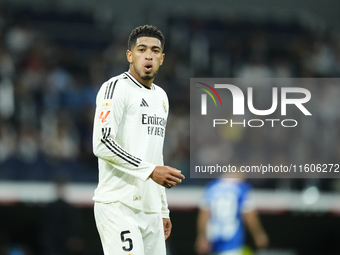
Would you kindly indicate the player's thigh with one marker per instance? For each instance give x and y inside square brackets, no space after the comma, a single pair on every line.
[154,241]
[118,232]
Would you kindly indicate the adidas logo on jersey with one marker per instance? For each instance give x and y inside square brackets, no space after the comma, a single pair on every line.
[144,103]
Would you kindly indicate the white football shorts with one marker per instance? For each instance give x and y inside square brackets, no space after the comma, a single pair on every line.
[127,231]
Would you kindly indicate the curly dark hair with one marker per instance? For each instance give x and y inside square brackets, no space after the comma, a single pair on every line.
[146,30]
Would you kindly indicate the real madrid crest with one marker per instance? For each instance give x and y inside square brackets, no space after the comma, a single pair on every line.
[164,107]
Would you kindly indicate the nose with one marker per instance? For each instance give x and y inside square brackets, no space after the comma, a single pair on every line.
[148,55]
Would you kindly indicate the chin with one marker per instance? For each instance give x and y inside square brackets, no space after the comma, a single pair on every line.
[148,77]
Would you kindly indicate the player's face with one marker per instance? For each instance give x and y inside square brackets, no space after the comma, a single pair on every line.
[146,58]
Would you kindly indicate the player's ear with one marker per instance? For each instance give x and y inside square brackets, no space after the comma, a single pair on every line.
[162,59]
[129,55]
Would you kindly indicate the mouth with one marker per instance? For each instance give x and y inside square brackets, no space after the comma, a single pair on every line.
[148,68]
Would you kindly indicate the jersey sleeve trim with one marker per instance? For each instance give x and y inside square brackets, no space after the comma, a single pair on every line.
[117,150]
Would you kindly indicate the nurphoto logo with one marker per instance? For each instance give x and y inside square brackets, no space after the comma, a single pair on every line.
[263,127]
[238,105]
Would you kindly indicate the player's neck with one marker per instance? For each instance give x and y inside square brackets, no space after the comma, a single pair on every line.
[146,83]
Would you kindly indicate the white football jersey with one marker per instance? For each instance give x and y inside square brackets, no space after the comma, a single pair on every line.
[128,137]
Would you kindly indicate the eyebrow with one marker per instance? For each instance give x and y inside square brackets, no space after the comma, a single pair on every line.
[152,47]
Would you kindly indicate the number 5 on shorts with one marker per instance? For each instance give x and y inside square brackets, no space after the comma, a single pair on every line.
[126,240]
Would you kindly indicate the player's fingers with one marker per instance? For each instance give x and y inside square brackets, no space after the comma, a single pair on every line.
[176,173]
[171,168]
[174,179]
[167,233]
[181,176]
[174,170]
[168,185]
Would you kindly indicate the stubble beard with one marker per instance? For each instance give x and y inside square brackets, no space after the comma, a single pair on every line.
[146,77]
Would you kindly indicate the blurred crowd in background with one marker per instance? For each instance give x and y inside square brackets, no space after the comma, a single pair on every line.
[53,63]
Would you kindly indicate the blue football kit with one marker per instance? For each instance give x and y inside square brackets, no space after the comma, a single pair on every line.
[226,200]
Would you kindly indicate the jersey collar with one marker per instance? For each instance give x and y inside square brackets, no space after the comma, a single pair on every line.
[133,79]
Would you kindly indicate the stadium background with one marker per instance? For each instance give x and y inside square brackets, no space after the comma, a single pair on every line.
[55,54]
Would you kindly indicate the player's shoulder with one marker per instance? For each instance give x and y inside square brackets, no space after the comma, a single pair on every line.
[113,81]
[112,86]
[160,92]
[245,186]
[157,87]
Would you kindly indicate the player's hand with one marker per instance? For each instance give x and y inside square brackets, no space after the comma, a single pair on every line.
[167,176]
[167,227]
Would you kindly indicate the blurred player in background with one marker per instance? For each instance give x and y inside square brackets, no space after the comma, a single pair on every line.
[131,209]
[225,208]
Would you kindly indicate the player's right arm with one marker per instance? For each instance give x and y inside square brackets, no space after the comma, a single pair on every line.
[111,102]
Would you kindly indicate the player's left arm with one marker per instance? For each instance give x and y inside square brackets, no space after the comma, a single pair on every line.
[165,209]
[202,244]
[165,214]
[252,221]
